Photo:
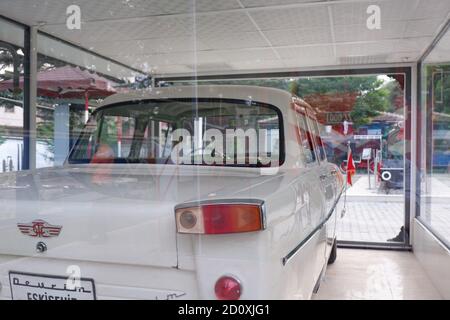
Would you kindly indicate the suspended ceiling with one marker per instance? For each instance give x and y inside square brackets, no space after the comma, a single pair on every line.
[180,37]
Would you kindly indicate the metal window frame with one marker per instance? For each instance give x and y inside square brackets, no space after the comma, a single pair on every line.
[29,99]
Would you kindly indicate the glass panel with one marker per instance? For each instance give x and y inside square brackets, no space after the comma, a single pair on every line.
[67,93]
[317,137]
[435,139]
[218,133]
[11,98]
[305,139]
[367,113]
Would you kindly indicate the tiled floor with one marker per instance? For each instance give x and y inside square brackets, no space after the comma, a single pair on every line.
[371,221]
[371,214]
[435,210]
[376,274]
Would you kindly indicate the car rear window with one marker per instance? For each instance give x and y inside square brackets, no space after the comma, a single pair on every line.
[213,132]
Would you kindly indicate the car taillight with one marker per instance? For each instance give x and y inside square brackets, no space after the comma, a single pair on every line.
[220,218]
[228,288]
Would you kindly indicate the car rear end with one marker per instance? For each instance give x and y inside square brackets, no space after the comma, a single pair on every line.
[125,219]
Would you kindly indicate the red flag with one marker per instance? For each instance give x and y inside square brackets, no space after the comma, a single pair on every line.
[350,166]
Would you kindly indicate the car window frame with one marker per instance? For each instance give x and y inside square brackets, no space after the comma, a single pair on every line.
[282,134]
[300,111]
[314,123]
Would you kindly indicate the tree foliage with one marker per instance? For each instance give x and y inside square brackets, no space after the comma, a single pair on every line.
[369,105]
[374,94]
[330,85]
[439,85]
[2,135]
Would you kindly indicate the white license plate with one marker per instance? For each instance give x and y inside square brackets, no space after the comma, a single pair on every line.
[28,286]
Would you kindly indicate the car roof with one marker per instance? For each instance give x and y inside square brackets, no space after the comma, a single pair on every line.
[273,96]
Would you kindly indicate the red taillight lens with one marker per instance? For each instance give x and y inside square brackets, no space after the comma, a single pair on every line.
[228,288]
[220,218]
[226,218]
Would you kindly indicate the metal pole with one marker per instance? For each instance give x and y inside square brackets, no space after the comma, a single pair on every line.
[18,157]
[29,101]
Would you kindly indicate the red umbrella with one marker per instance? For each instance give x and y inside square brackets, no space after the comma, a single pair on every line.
[68,82]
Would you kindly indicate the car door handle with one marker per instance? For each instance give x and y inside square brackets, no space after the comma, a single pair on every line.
[323,176]
[333,172]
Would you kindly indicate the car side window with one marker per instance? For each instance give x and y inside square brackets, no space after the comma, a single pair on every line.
[319,143]
[305,139]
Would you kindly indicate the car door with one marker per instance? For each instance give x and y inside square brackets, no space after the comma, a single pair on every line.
[327,174]
[314,187]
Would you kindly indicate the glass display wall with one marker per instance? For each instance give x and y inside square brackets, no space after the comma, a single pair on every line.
[367,113]
[435,140]
[11,96]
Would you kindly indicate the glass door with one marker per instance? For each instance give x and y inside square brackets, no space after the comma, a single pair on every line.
[365,114]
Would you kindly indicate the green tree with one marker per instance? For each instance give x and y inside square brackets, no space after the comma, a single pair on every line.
[329,85]
[2,135]
[439,85]
[374,94]
[369,105]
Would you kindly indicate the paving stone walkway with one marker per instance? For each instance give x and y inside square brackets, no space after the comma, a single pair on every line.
[375,221]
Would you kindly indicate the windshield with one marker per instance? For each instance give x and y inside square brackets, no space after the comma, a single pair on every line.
[213,132]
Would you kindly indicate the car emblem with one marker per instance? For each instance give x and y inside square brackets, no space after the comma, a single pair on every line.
[39,228]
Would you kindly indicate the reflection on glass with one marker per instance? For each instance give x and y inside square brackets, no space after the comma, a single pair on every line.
[367,113]
[11,107]
[435,139]
[203,132]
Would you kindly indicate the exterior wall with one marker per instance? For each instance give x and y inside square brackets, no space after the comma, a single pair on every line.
[11,118]
[434,257]
[13,146]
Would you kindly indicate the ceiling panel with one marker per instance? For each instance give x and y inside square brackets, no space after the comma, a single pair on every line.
[264,3]
[271,34]
[366,48]
[404,50]
[412,45]
[54,11]
[257,65]
[292,18]
[255,55]
[123,30]
[404,56]
[147,46]
[441,51]
[422,27]
[429,9]
[299,36]
[305,53]
[219,23]
[231,40]
[362,60]
[360,32]
[157,62]
[303,63]
[356,13]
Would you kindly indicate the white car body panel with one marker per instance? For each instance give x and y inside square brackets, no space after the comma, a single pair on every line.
[122,232]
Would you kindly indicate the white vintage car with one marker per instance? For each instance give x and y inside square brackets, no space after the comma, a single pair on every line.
[206,192]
